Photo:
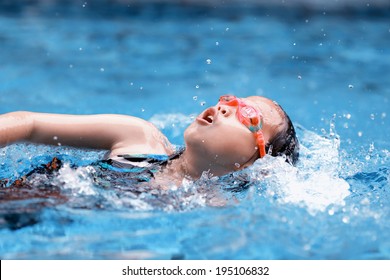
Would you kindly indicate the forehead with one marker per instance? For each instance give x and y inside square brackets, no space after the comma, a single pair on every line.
[271,111]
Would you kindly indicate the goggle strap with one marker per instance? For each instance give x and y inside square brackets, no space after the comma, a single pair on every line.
[260,143]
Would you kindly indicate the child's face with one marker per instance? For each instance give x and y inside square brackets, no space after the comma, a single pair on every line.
[219,136]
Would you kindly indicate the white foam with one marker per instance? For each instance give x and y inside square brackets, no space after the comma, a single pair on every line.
[314,183]
[78,180]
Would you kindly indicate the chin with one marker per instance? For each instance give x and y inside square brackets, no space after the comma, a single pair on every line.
[196,141]
[188,132]
[193,138]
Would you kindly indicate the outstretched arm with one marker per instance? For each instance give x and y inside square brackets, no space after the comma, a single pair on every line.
[117,133]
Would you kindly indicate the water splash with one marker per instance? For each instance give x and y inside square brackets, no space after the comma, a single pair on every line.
[314,183]
[318,183]
[77,180]
[171,124]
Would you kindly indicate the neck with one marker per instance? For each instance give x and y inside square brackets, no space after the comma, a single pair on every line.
[192,168]
[181,168]
[194,165]
[184,166]
[172,175]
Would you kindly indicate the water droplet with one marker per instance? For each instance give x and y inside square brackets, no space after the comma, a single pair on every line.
[59,144]
[197,86]
[85,4]
[217,43]
[331,212]
[360,133]
[227,29]
[383,115]
[195,98]
[365,201]
[55,138]
[323,131]
[372,116]
[202,103]
[368,157]
[208,61]
[371,148]
[237,165]
[345,220]
[80,49]
[102,69]
[131,83]
[142,110]
[348,116]
[350,86]
[70,65]
[307,21]
[141,88]
[299,77]
[202,141]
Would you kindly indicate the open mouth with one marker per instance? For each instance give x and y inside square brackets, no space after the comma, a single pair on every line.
[208,116]
[209,119]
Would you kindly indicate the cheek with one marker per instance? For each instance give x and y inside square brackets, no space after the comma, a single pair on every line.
[235,148]
[225,145]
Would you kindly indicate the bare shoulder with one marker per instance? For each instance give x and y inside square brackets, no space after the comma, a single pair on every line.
[141,137]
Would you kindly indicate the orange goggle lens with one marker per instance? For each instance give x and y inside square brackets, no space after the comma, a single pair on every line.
[248,116]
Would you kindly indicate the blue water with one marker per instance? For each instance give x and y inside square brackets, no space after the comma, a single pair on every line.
[329,69]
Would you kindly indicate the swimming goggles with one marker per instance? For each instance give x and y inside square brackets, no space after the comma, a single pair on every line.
[248,116]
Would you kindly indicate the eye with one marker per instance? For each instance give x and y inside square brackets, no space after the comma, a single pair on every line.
[255,121]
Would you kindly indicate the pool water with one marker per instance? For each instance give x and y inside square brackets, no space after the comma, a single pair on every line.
[328,68]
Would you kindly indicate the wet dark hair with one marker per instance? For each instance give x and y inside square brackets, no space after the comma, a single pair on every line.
[285,142]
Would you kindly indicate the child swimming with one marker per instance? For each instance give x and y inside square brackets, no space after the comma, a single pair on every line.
[224,138]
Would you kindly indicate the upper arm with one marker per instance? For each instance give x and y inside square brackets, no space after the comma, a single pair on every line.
[117,133]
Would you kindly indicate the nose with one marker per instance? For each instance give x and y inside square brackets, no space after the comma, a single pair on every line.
[225,110]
